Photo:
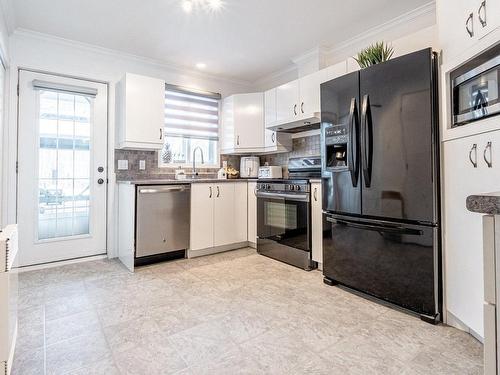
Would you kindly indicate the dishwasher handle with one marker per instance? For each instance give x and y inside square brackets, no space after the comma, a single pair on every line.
[163,189]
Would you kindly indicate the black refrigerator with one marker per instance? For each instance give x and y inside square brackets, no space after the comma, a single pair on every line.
[380,175]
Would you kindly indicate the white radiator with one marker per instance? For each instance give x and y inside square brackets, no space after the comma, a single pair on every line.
[8,296]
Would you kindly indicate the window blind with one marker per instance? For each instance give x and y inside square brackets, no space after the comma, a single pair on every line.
[191,113]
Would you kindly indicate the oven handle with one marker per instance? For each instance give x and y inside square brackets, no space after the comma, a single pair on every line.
[378,228]
[292,197]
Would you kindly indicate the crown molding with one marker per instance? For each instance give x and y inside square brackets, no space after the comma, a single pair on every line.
[21,32]
[424,12]
[311,54]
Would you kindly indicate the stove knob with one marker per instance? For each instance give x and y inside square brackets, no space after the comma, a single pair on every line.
[268,187]
[291,187]
[297,187]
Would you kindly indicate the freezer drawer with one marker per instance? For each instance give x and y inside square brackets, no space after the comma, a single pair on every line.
[392,261]
[162,220]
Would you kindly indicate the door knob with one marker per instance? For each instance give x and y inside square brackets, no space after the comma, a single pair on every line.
[100,181]
[100,169]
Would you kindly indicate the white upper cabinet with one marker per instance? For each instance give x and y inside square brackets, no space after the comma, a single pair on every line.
[488,16]
[270,109]
[309,90]
[140,112]
[462,23]
[242,123]
[273,141]
[287,101]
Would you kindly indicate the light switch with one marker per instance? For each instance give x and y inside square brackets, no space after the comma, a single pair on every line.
[142,164]
[122,165]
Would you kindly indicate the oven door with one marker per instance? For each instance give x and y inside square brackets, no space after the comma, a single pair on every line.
[283,227]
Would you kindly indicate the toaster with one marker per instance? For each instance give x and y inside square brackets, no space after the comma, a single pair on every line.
[270,172]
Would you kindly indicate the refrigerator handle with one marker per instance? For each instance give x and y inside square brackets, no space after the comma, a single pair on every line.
[352,158]
[366,140]
[376,228]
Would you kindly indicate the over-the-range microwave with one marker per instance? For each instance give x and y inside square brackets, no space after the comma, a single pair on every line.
[476,88]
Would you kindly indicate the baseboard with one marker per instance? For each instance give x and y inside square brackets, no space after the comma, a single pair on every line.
[252,245]
[453,321]
[61,263]
[215,250]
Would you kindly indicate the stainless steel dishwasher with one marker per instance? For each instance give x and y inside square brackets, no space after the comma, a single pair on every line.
[162,222]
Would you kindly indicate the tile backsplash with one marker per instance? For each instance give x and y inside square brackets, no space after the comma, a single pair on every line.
[305,146]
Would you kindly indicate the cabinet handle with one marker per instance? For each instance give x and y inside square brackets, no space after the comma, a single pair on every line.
[295,109]
[315,194]
[237,140]
[210,196]
[218,192]
[302,107]
[489,163]
[481,18]
[161,133]
[273,137]
[473,149]
[470,20]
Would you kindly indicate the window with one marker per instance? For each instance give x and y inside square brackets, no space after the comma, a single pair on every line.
[191,120]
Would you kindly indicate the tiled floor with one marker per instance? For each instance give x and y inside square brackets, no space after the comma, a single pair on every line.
[231,313]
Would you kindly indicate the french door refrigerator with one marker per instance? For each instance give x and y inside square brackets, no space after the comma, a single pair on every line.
[380,173]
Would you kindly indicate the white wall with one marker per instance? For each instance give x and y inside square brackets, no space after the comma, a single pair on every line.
[5,56]
[54,55]
[408,33]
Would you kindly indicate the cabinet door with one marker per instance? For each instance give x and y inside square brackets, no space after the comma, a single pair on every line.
[287,101]
[317,223]
[249,120]
[270,112]
[309,88]
[227,136]
[452,16]
[202,216]
[487,18]
[463,239]
[224,231]
[144,110]
[240,209]
[252,213]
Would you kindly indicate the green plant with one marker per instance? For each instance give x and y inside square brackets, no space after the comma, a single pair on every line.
[374,54]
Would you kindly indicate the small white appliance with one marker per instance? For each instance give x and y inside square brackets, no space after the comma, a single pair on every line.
[249,166]
[270,172]
[8,296]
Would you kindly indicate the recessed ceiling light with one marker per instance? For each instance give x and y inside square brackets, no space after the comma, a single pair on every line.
[201,65]
[187,6]
[214,4]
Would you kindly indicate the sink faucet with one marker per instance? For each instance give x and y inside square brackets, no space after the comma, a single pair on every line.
[194,160]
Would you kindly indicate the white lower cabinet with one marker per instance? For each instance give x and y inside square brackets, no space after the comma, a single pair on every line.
[218,215]
[317,223]
[471,166]
[252,213]
[202,216]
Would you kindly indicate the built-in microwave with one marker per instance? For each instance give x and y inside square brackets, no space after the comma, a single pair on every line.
[476,88]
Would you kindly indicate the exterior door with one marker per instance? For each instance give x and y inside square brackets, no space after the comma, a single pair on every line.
[62,168]
[397,139]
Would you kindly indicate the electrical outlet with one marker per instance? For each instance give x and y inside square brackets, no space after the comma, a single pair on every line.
[122,165]
[142,164]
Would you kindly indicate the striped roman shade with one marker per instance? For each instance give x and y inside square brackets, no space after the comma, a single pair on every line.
[191,114]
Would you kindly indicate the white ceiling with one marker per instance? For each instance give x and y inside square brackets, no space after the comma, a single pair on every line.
[248,39]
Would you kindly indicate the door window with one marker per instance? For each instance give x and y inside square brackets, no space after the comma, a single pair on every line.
[63,164]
